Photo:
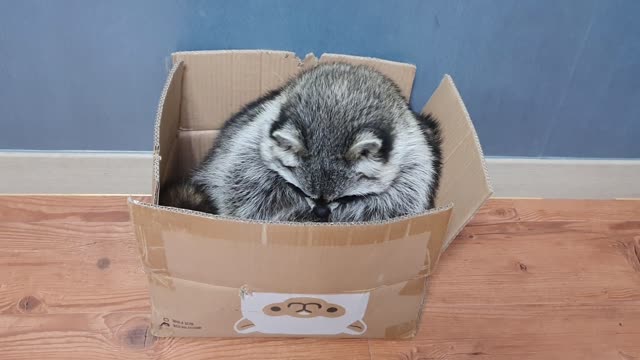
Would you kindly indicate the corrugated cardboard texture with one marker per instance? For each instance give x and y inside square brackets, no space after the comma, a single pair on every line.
[166,127]
[464,180]
[218,83]
[291,258]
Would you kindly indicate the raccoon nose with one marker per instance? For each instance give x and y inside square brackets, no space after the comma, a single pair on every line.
[322,211]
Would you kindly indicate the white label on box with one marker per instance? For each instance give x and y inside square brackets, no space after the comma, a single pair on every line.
[303,314]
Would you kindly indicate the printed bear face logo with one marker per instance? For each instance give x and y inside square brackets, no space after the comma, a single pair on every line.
[296,314]
[304,307]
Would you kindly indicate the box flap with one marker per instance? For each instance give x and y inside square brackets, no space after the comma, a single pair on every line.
[292,257]
[166,127]
[464,181]
[219,83]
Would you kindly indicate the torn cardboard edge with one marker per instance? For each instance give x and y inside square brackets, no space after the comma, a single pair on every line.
[243,76]
[403,73]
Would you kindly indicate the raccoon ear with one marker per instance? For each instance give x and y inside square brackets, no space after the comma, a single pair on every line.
[288,139]
[365,145]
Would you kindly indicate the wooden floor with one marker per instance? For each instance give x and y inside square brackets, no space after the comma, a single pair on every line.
[527,279]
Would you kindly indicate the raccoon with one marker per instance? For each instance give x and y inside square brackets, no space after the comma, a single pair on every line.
[337,143]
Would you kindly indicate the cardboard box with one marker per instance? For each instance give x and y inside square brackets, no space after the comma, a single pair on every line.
[221,277]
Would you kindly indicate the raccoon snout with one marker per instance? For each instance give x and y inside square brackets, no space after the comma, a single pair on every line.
[322,211]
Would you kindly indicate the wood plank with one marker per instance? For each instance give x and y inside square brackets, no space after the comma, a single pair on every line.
[496,211]
[65,236]
[515,210]
[70,267]
[537,262]
[537,347]
[48,208]
[532,290]
[577,210]
[119,335]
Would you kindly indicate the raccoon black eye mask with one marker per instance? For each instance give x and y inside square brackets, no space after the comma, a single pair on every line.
[337,143]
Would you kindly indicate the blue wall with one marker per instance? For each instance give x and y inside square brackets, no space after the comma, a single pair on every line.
[540,77]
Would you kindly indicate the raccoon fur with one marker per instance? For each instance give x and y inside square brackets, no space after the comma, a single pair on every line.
[187,195]
[337,143]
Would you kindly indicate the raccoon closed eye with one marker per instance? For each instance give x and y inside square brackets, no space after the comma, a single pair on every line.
[361,176]
[368,154]
[350,198]
[285,165]
[345,199]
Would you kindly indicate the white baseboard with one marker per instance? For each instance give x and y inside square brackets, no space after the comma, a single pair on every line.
[35,172]
[565,178]
[130,173]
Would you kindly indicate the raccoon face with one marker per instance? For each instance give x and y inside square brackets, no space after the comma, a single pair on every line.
[331,172]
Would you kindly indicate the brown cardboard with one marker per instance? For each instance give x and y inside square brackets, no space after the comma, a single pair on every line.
[210,311]
[465,181]
[167,122]
[261,256]
[215,276]
[191,147]
[216,84]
